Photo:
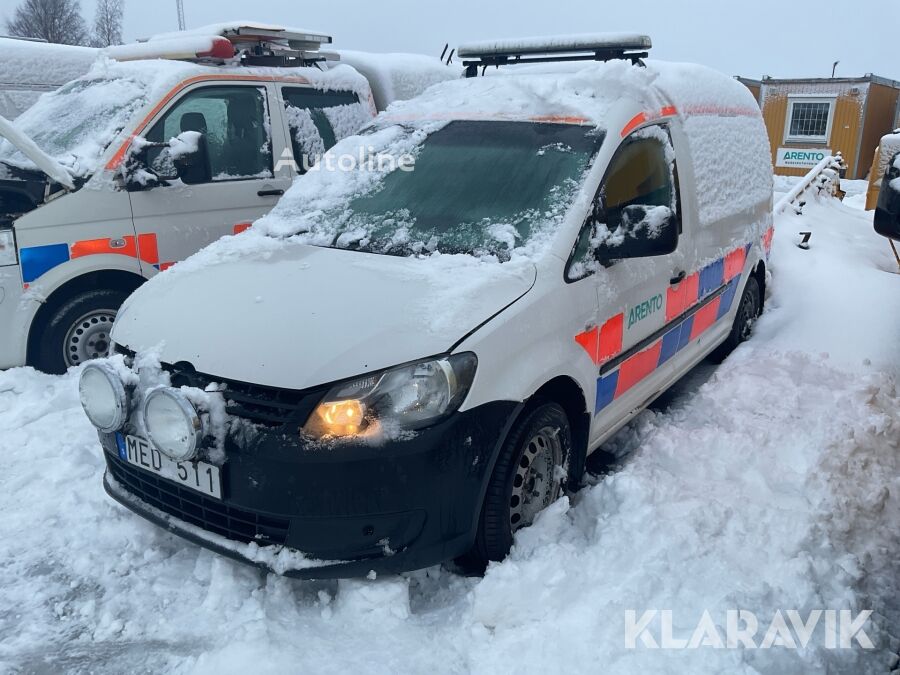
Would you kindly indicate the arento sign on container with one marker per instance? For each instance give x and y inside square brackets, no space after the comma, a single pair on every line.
[800,158]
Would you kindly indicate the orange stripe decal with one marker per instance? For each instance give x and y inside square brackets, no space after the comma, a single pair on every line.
[610,338]
[635,122]
[242,227]
[669,111]
[682,297]
[103,247]
[734,263]
[636,368]
[147,248]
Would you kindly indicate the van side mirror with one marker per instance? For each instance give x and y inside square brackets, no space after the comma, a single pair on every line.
[887,210]
[634,231]
[190,155]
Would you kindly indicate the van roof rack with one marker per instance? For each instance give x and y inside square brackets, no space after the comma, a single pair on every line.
[592,47]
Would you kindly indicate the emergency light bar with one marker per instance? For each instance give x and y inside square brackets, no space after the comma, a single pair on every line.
[246,44]
[588,47]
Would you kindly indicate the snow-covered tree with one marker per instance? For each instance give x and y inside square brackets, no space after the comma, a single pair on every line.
[107,23]
[57,21]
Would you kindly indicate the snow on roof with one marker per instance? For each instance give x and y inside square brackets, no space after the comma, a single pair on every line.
[23,62]
[557,43]
[398,76]
[230,27]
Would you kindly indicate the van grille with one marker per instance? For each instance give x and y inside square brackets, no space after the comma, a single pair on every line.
[268,406]
[194,508]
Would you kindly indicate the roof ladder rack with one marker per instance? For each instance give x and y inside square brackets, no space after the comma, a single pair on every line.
[600,47]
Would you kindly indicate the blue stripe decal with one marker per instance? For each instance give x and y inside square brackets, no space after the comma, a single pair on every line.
[727,298]
[670,344]
[606,390]
[38,260]
[711,278]
[686,329]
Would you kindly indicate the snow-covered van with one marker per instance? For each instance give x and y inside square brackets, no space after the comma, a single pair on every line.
[163,147]
[411,356]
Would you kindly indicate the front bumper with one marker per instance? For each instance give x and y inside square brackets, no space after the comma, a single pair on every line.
[13,327]
[355,507]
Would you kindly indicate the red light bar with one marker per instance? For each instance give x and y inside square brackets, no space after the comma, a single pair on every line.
[222,48]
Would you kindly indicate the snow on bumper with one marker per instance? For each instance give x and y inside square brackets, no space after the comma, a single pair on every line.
[13,332]
[291,507]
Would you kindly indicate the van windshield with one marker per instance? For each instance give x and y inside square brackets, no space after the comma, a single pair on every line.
[76,123]
[479,187]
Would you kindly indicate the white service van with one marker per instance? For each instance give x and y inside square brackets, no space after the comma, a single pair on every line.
[404,364]
[163,147]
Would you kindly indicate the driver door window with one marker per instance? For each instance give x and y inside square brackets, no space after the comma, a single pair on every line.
[641,177]
[234,121]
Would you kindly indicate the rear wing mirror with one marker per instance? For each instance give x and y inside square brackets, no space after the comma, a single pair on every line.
[634,231]
[887,210]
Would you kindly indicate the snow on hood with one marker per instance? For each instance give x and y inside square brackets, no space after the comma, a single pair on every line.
[296,316]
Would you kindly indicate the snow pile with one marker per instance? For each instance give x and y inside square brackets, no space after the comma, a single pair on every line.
[575,42]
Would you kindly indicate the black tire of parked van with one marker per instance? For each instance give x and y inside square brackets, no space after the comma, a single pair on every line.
[78,330]
[533,464]
[748,311]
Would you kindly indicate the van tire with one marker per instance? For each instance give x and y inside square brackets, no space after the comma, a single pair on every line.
[748,311]
[494,536]
[95,311]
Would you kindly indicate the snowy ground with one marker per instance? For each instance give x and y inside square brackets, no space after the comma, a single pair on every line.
[769,483]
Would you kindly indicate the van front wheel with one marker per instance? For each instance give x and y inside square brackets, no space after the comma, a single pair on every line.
[529,476]
[78,330]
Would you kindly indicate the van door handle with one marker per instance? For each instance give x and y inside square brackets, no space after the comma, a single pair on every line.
[678,278]
[270,193]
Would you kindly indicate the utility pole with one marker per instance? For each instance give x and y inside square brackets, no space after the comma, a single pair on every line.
[833,68]
[180,4]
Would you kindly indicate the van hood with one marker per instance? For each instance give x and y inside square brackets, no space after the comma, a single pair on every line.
[43,161]
[306,316]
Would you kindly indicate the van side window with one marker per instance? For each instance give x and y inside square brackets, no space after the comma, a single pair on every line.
[319,119]
[642,173]
[234,121]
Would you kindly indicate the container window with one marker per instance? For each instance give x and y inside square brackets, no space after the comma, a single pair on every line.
[809,120]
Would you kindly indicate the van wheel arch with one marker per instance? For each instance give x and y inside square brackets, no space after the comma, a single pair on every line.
[565,392]
[113,280]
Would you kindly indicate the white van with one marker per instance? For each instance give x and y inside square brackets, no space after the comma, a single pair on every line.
[149,157]
[404,364]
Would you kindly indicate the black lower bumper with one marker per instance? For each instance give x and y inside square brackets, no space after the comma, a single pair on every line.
[391,507]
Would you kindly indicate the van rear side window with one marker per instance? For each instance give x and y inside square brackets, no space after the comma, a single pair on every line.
[318,120]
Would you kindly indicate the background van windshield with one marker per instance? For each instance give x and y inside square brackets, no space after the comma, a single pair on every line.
[476,187]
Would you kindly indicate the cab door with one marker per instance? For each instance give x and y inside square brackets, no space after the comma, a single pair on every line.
[642,300]
[241,182]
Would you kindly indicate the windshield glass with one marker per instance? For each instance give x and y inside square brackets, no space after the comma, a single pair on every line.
[76,123]
[479,187]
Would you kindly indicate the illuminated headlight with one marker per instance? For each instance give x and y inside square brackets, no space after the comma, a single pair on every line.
[103,397]
[7,248]
[173,424]
[407,397]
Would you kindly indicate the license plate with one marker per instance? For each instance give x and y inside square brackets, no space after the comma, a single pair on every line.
[199,476]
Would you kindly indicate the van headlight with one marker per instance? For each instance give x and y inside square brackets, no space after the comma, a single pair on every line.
[408,397]
[8,254]
[103,397]
[173,424]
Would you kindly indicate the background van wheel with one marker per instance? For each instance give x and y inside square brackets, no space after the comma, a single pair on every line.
[77,331]
[530,474]
[748,311]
